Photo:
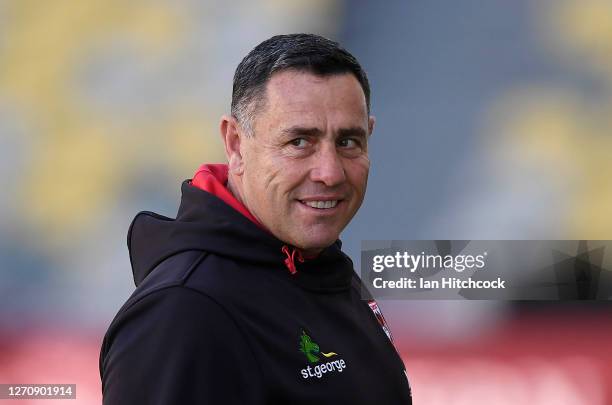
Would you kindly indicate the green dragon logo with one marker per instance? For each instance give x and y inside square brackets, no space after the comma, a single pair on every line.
[311,349]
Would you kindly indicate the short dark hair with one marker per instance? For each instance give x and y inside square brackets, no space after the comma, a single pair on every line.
[304,52]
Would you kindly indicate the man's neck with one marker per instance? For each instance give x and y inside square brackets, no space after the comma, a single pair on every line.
[233,189]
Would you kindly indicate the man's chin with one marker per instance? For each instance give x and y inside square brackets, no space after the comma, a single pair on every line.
[315,246]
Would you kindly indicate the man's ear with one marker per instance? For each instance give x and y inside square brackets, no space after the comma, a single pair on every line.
[371,122]
[231,135]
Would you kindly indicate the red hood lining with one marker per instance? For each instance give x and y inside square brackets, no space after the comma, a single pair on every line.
[213,179]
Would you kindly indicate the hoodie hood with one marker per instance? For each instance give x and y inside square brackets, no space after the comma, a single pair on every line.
[213,178]
[207,223]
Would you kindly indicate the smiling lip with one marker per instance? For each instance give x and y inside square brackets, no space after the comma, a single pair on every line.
[321,203]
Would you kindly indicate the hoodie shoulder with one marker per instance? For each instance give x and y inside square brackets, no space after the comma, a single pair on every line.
[162,344]
[173,271]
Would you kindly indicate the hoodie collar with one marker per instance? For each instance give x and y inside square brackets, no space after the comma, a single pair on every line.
[212,220]
[212,178]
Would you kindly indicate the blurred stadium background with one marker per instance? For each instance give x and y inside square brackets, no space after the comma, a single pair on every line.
[494,121]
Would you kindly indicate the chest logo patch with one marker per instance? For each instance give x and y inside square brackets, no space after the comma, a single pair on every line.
[311,350]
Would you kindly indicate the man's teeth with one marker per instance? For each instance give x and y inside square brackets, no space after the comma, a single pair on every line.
[322,204]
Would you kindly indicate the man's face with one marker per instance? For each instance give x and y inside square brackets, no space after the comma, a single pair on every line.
[306,167]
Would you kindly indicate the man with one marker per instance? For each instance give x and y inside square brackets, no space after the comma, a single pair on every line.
[246,297]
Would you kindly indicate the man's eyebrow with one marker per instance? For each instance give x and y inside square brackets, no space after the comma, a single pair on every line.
[304,131]
[353,131]
[314,131]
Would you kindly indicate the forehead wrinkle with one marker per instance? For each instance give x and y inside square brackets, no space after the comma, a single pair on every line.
[289,106]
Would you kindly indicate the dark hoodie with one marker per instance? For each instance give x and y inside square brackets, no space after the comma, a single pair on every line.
[225,313]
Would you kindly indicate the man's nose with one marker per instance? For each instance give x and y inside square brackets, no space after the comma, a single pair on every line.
[328,167]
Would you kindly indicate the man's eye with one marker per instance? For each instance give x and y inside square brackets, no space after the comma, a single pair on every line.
[299,142]
[348,143]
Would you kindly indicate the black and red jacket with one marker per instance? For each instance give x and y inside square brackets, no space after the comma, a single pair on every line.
[225,313]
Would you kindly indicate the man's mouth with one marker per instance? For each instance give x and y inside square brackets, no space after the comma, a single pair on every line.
[322,205]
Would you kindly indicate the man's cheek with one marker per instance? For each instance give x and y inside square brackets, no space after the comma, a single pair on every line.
[359,164]
[358,175]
